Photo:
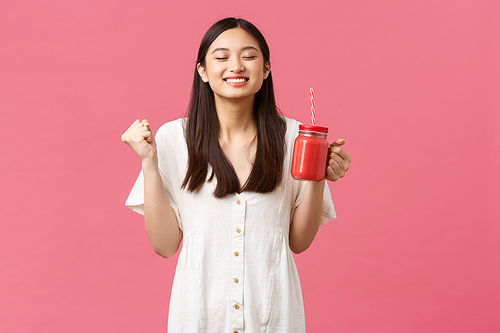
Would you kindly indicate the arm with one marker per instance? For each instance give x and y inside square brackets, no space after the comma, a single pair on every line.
[307,216]
[159,218]
[160,221]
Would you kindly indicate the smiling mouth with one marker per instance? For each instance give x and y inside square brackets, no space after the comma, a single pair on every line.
[236,80]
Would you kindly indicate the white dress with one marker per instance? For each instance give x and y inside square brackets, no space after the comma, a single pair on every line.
[235,271]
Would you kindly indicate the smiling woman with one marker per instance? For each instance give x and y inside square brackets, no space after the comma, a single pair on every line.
[220,180]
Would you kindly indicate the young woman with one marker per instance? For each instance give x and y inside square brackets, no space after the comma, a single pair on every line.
[220,180]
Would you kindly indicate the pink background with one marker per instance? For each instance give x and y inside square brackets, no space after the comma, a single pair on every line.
[413,86]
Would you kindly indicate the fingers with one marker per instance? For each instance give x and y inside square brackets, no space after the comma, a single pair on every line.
[338,161]
[140,138]
[337,143]
[138,131]
[336,168]
[337,151]
[148,138]
[331,175]
[145,122]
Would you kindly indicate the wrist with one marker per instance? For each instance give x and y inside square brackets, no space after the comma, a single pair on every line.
[150,164]
[315,189]
[319,184]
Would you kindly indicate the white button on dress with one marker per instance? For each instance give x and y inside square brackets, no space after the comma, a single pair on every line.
[235,271]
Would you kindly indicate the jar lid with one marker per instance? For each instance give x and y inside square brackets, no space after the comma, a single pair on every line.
[313,128]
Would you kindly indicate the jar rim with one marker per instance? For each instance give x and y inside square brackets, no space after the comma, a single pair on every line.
[313,128]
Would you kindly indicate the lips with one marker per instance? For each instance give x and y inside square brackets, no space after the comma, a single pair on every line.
[236,79]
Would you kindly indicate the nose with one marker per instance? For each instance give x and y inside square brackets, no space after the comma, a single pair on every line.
[236,66]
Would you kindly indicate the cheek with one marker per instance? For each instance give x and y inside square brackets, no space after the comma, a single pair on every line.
[214,67]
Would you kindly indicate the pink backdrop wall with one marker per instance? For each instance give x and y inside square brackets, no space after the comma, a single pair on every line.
[413,86]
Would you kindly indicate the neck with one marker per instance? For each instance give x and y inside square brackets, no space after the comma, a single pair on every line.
[235,118]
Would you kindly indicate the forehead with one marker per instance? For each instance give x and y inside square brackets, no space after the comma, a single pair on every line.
[234,39]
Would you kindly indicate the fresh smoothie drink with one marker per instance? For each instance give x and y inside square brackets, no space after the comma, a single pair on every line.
[310,153]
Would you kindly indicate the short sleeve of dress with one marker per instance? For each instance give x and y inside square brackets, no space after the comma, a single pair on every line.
[328,210]
[135,200]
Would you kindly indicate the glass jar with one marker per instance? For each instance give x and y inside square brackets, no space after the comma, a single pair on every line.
[310,153]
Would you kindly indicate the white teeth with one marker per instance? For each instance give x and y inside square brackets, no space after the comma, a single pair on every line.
[236,80]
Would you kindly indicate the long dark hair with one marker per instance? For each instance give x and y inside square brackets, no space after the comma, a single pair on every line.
[202,129]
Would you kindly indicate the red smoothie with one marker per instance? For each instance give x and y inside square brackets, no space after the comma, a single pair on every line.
[310,153]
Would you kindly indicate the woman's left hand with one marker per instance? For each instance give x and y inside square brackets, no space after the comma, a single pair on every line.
[338,161]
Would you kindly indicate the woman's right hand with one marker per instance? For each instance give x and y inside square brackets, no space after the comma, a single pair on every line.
[140,138]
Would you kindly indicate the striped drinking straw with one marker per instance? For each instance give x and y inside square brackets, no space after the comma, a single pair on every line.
[313,108]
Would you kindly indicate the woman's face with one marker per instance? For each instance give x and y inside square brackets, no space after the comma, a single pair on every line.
[234,66]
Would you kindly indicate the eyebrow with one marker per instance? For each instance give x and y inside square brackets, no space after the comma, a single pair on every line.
[242,49]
